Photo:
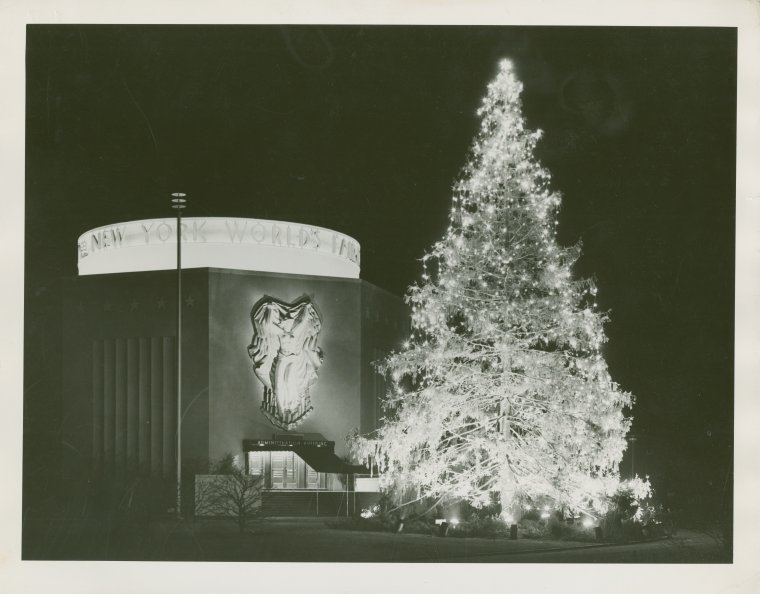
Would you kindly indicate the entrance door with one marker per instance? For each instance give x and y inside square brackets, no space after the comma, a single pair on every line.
[284,474]
[285,470]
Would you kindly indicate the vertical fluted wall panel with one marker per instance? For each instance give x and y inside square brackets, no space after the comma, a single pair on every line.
[133,402]
[144,407]
[120,400]
[109,404]
[156,406]
[170,416]
[97,404]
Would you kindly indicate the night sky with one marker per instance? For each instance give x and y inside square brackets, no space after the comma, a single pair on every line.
[364,130]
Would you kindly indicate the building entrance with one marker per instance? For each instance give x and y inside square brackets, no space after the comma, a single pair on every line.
[285,470]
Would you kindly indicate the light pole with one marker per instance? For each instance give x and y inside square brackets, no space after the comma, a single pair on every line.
[178,203]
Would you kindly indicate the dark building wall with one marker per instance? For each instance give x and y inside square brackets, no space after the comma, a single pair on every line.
[119,391]
[385,326]
[118,357]
[236,393]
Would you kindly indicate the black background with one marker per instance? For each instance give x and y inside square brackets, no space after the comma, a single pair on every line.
[363,130]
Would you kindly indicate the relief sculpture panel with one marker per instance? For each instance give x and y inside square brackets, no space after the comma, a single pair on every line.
[286,357]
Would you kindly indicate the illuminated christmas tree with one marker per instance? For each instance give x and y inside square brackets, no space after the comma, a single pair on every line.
[502,390]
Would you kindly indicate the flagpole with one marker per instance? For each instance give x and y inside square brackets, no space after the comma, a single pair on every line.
[178,203]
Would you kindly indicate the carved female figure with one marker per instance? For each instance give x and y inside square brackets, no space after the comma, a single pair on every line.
[286,358]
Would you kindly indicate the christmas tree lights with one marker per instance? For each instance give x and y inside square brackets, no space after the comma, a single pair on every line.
[501,389]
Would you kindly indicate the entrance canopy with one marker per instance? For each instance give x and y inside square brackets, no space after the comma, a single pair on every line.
[320,455]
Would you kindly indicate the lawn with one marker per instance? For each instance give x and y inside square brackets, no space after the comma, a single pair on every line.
[267,540]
